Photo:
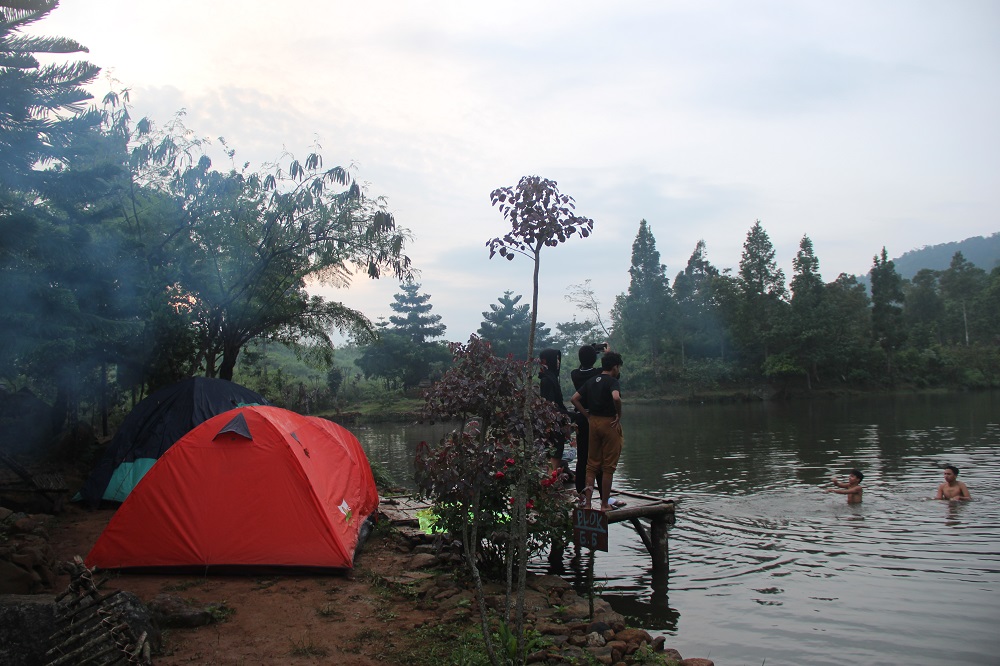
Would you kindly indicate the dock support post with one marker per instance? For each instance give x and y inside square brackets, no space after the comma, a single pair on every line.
[658,539]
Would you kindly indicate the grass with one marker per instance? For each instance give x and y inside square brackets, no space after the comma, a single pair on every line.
[307,648]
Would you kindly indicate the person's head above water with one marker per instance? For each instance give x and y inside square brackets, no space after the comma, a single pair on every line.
[858,474]
[952,469]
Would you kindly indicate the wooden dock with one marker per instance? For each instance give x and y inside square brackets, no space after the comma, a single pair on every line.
[401,510]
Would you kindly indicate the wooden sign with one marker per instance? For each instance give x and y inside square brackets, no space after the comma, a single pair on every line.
[590,529]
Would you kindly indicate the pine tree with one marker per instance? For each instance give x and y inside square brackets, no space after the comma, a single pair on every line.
[763,296]
[887,309]
[506,326]
[414,319]
[808,321]
[642,315]
[699,329]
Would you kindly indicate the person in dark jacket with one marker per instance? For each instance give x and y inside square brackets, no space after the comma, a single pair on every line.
[588,356]
[551,390]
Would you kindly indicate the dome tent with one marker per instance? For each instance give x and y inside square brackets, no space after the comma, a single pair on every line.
[152,427]
[254,487]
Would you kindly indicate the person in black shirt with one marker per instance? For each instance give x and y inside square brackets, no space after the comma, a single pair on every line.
[600,399]
[588,356]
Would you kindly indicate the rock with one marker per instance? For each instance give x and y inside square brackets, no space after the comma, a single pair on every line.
[14,579]
[601,655]
[26,622]
[658,643]
[423,561]
[594,639]
[546,583]
[671,654]
[552,628]
[634,636]
[697,661]
[175,612]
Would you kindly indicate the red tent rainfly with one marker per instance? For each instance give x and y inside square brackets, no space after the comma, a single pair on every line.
[255,486]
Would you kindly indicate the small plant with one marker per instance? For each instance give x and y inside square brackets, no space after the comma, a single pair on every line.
[328,610]
[181,586]
[646,655]
[307,648]
[220,612]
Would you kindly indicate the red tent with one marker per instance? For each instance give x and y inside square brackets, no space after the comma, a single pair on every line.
[254,486]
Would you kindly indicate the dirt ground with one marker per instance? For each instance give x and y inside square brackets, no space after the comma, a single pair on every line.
[349,619]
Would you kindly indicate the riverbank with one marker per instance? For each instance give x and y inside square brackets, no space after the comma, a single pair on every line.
[407,601]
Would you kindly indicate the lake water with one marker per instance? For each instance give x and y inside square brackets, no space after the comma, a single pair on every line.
[766,568]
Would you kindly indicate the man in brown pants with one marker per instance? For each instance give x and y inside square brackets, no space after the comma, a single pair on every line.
[600,399]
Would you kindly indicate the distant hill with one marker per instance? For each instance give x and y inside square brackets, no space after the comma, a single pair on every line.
[984,252]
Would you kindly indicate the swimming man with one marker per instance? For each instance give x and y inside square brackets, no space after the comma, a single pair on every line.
[852,488]
[952,488]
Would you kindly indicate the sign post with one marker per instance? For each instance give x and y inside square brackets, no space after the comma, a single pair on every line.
[590,529]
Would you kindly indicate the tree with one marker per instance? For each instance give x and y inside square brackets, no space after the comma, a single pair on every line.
[250,240]
[641,316]
[699,327]
[41,108]
[414,319]
[808,318]
[540,216]
[64,313]
[850,325]
[923,309]
[961,285]
[507,326]
[887,309]
[762,298]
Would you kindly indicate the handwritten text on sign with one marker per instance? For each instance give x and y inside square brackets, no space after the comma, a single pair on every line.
[590,529]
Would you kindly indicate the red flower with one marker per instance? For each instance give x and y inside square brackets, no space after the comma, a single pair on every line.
[510,461]
[500,475]
[530,504]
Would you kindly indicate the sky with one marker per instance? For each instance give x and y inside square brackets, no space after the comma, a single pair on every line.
[860,123]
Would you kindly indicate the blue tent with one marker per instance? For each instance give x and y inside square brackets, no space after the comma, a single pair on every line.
[153,426]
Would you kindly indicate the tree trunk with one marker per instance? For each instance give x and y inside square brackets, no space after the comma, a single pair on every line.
[229,354]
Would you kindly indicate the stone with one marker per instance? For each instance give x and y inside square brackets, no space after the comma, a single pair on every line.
[546,583]
[658,643]
[594,639]
[696,661]
[634,636]
[175,612]
[14,579]
[671,654]
[552,628]
[423,561]
[26,622]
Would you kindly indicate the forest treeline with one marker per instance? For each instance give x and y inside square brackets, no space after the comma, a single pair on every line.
[710,329]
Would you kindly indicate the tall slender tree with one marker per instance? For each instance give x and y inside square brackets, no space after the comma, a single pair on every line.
[698,321]
[763,297]
[642,316]
[808,318]
[887,310]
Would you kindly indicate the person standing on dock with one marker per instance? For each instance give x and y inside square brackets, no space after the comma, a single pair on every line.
[852,488]
[600,400]
[550,389]
[588,356]
[952,488]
